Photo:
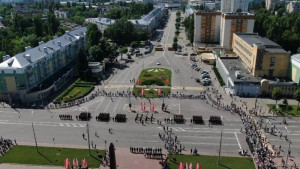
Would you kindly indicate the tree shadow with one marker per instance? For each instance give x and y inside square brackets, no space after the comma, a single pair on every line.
[224,166]
[96,158]
[45,157]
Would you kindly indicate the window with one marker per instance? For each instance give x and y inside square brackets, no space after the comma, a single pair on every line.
[14,72]
[272,62]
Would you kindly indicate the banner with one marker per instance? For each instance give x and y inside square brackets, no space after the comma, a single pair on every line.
[139,81]
[167,81]
[198,166]
[84,163]
[143,91]
[159,91]
[75,163]
[151,106]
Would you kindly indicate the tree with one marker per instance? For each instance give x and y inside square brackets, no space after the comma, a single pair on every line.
[175,40]
[53,24]
[82,64]
[121,32]
[298,50]
[38,26]
[178,13]
[134,44]
[95,53]
[276,93]
[93,35]
[297,97]
[123,50]
[174,46]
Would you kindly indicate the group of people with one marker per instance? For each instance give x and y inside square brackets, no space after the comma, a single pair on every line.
[5,145]
[142,120]
[178,95]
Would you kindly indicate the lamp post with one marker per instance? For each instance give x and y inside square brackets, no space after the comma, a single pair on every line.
[41,95]
[36,146]
[88,131]
[287,156]
[129,98]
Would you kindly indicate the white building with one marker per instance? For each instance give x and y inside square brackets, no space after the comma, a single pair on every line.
[102,23]
[270,4]
[61,14]
[149,21]
[234,5]
[234,23]
[293,6]
[189,10]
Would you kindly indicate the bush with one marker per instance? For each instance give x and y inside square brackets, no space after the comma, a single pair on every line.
[219,77]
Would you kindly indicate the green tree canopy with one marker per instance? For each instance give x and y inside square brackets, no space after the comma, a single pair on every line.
[276,93]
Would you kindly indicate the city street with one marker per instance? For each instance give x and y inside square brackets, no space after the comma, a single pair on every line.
[16,123]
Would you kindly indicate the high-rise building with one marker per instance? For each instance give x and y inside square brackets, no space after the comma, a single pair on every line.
[207,27]
[234,23]
[234,5]
[293,6]
[270,4]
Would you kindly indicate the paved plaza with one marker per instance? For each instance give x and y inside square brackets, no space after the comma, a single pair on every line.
[16,123]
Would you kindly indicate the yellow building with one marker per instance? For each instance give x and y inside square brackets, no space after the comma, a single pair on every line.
[263,57]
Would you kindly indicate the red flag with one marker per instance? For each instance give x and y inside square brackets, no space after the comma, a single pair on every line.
[180,165]
[144,106]
[191,166]
[198,166]
[67,163]
[167,81]
[143,91]
[153,106]
[139,81]
[158,91]
[75,163]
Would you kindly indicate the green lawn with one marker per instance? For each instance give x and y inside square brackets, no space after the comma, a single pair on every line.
[291,109]
[50,156]
[150,92]
[76,90]
[155,76]
[210,162]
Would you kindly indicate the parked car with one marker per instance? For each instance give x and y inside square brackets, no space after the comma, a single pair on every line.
[185,54]
[197,80]
[205,76]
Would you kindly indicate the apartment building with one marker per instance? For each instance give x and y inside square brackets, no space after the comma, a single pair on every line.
[40,71]
[149,21]
[234,23]
[270,4]
[102,23]
[61,14]
[293,6]
[207,27]
[263,57]
[234,5]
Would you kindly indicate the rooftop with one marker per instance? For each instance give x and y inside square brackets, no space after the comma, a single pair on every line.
[145,20]
[254,38]
[296,57]
[21,60]
[105,21]
[233,65]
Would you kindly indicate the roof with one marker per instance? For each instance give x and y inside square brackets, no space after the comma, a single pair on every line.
[254,38]
[296,57]
[146,20]
[19,60]
[104,21]
[233,65]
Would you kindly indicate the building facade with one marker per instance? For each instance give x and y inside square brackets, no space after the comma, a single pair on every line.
[263,57]
[270,4]
[234,23]
[294,70]
[62,14]
[293,6]
[38,72]
[234,5]
[149,21]
[102,23]
[207,27]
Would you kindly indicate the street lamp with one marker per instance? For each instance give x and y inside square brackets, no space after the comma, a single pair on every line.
[41,95]
[129,98]
[88,131]
[36,146]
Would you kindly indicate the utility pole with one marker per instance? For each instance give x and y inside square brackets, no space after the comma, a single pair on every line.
[220,147]
[88,131]
[287,156]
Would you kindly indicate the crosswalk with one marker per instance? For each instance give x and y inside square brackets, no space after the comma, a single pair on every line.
[45,124]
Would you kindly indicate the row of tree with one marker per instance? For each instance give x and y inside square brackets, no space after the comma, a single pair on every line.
[129,11]
[282,28]
[188,23]
[177,26]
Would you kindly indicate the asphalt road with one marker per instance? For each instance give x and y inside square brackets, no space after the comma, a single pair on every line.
[16,123]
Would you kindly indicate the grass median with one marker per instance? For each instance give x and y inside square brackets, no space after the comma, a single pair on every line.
[50,156]
[155,76]
[283,110]
[210,162]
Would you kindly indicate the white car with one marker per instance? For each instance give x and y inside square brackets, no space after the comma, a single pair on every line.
[157,63]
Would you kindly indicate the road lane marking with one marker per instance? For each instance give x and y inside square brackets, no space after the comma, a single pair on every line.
[237,139]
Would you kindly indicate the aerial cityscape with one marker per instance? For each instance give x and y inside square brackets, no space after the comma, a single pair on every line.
[149,84]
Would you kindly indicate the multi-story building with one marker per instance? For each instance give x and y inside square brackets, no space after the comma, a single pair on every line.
[234,5]
[189,10]
[207,27]
[234,23]
[102,23]
[270,4]
[263,57]
[61,14]
[294,71]
[149,21]
[293,6]
[40,71]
